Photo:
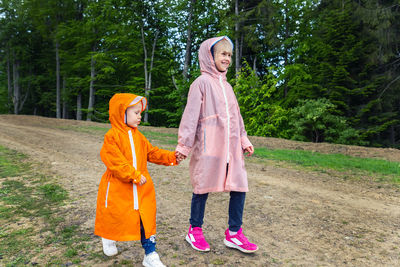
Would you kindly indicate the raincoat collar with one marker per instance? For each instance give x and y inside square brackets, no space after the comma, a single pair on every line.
[118,105]
[206,59]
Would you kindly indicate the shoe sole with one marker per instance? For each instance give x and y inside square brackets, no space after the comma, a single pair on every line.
[233,245]
[110,255]
[190,242]
[145,264]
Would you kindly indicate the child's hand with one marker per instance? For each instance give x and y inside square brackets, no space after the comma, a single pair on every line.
[143,180]
[179,157]
[250,150]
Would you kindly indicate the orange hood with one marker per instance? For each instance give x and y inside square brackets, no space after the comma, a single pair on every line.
[117,108]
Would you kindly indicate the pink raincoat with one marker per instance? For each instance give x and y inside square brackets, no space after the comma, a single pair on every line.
[213,130]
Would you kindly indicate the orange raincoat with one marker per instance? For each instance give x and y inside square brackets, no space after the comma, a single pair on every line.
[121,202]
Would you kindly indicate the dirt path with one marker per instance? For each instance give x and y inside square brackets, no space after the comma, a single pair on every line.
[298,218]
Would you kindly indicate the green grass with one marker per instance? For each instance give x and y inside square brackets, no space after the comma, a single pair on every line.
[8,163]
[26,196]
[161,138]
[53,192]
[85,129]
[338,162]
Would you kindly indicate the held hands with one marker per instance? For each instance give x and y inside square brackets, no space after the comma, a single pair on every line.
[143,180]
[249,150]
[179,157]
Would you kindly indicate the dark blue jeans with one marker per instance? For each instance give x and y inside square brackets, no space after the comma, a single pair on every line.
[148,244]
[236,206]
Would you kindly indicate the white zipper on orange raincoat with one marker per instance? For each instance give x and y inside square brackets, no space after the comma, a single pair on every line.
[134,163]
[108,188]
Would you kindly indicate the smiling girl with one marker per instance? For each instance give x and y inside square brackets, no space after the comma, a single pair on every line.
[212,130]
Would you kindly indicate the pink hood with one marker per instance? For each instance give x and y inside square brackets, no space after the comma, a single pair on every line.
[207,63]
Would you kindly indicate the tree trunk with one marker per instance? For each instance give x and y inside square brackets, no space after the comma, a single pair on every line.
[22,101]
[188,52]
[241,49]
[91,88]
[58,90]
[147,73]
[392,135]
[64,100]
[286,52]
[17,92]
[79,107]
[152,60]
[145,57]
[9,84]
[237,55]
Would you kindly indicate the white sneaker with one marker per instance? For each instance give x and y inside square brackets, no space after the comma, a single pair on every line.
[109,247]
[152,260]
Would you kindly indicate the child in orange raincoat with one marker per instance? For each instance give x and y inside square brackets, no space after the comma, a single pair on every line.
[126,202]
[213,130]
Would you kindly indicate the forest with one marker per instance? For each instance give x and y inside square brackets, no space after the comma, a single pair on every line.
[308,70]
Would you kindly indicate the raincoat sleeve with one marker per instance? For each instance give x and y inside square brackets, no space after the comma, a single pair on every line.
[160,156]
[189,121]
[116,162]
[243,134]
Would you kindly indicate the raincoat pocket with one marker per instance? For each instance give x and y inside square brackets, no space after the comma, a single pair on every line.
[213,135]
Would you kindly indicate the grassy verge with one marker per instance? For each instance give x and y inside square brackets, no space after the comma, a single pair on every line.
[86,129]
[170,140]
[161,138]
[383,170]
[30,221]
[386,170]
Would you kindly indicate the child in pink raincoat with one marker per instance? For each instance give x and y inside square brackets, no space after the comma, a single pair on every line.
[212,130]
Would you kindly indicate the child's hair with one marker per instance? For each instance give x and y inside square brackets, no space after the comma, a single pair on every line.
[223,44]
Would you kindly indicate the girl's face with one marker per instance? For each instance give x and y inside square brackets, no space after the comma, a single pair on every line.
[133,115]
[222,58]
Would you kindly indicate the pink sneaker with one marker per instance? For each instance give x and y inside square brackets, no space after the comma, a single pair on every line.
[195,238]
[239,241]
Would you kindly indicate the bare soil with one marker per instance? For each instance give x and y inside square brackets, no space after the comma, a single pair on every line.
[297,216]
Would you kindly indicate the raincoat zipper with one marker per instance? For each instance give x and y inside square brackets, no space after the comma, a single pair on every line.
[227,114]
[134,163]
[205,150]
[108,188]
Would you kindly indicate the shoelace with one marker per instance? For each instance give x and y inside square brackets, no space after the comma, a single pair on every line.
[244,239]
[198,233]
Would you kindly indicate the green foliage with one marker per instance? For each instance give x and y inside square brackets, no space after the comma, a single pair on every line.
[314,120]
[4,108]
[261,115]
[344,51]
